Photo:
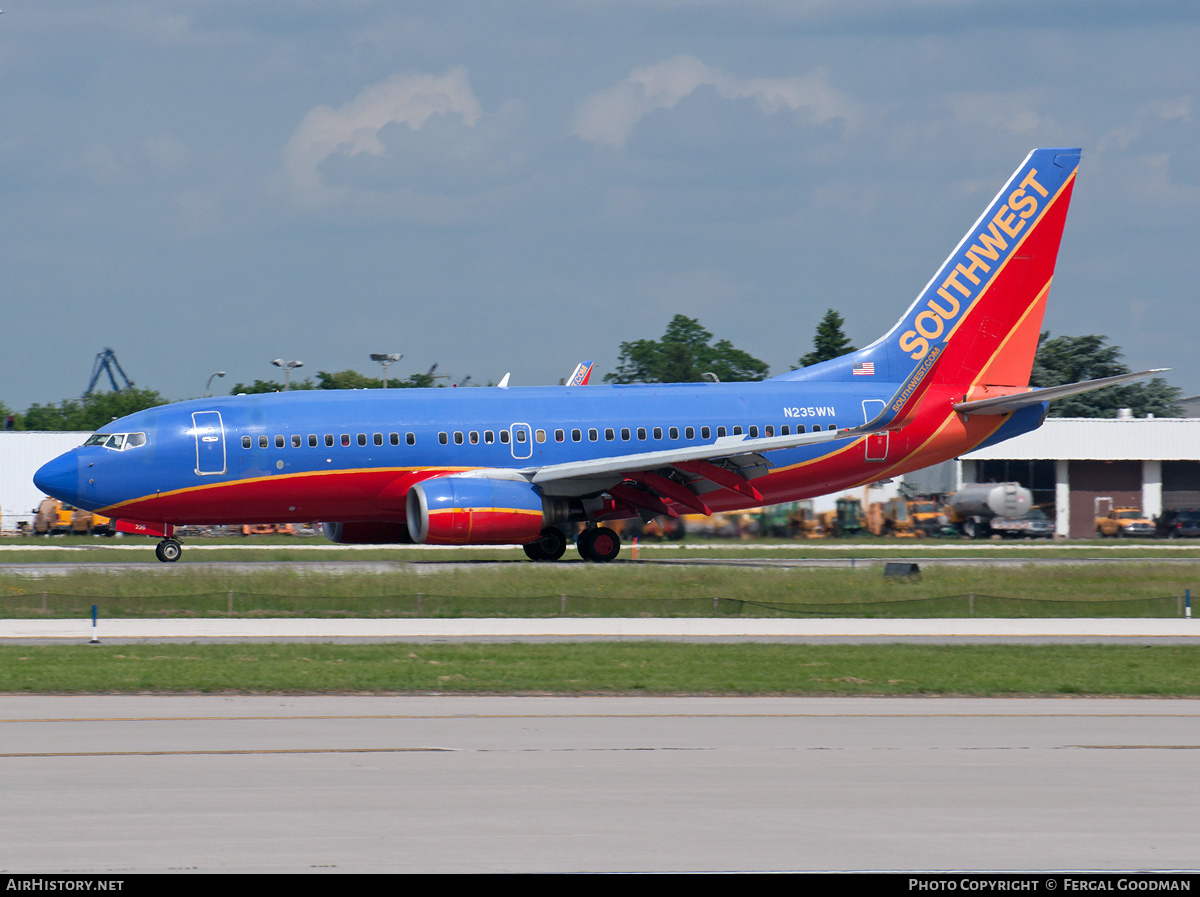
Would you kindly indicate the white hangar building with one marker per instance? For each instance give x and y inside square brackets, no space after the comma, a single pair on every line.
[1082,465]
[21,454]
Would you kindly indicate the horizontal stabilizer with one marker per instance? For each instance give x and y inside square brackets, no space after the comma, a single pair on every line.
[1004,404]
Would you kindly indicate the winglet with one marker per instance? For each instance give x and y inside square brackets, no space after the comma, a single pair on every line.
[503,384]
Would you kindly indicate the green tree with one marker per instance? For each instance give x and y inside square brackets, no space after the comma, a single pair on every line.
[91,412]
[1069,359]
[684,355]
[259,386]
[829,341]
[335,380]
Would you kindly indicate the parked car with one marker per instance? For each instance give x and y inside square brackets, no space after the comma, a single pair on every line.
[1036,524]
[1177,525]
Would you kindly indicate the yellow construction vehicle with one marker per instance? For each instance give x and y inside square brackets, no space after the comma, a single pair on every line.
[892,518]
[53,518]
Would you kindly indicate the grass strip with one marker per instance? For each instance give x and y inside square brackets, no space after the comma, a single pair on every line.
[527,590]
[605,668]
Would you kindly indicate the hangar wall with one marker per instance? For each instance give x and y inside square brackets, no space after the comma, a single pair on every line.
[1080,463]
[21,454]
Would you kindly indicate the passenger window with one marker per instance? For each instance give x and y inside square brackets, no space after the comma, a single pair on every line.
[504,436]
[329,439]
[345,439]
[658,432]
[262,441]
[785,430]
[521,437]
[540,436]
[609,434]
[312,440]
[377,439]
[593,434]
[362,438]
[444,438]
[754,432]
[625,434]
[705,433]
[560,436]
[296,440]
[394,438]
[674,432]
[720,432]
[474,437]
[770,431]
[831,427]
[641,433]
[458,437]
[737,431]
[410,438]
[247,442]
[577,436]
[690,433]
[489,437]
[278,442]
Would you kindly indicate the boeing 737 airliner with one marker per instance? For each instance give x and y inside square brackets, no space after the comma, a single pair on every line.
[495,465]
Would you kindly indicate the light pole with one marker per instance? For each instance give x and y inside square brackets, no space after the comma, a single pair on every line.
[208,385]
[287,366]
[387,360]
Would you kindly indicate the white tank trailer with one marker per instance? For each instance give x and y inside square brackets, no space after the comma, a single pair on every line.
[975,505]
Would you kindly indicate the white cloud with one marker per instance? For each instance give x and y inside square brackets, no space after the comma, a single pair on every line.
[610,115]
[1015,113]
[354,128]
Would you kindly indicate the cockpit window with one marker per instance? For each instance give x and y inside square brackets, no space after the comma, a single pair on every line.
[117,441]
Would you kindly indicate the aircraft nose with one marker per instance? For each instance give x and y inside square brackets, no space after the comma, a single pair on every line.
[60,478]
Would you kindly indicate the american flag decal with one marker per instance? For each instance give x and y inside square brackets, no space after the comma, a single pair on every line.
[866,367]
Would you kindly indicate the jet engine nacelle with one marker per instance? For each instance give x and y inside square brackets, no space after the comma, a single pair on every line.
[373,532]
[458,510]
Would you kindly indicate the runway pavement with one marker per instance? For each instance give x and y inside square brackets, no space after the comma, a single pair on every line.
[122,785]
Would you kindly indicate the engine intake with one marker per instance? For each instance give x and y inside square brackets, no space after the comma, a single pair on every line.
[479,511]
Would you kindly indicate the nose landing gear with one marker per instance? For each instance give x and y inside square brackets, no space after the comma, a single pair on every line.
[168,550]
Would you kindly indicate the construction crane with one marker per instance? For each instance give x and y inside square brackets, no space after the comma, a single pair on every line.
[106,362]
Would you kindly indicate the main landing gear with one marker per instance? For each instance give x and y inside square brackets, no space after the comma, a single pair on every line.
[598,544]
[550,546]
[168,550]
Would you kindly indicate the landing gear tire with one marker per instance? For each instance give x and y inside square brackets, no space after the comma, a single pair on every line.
[550,546]
[971,529]
[168,551]
[599,545]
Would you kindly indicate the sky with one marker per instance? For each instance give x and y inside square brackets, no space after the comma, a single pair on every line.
[517,186]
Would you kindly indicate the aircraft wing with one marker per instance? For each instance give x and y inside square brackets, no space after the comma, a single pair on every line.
[672,474]
[1005,404]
